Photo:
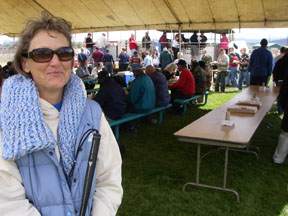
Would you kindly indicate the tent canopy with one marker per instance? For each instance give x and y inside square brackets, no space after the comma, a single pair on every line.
[113,15]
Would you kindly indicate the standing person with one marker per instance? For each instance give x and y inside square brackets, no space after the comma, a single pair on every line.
[244,73]
[135,59]
[89,45]
[147,59]
[132,44]
[279,72]
[41,148]
[108,61]
[175,46]
[206,58]
[282,53]
[156,59]
[146,42]
[281,150]
[102,42]
[260,65]
[203,40]
[111,97]
[224,42]
[163,41]
[160,84]
[97,56]
[222,67]
[233,63]
[123,59]
[194,46]
[184,87]
[165,58]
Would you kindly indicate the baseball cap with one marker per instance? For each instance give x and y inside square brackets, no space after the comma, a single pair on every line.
[136,67]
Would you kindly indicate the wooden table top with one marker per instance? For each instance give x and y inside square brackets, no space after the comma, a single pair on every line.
[208,129]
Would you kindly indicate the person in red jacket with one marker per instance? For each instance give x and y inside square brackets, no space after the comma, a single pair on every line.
[232,75]
[184,88]
[132,44]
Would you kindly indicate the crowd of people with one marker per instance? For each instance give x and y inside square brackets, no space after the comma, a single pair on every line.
[44,160]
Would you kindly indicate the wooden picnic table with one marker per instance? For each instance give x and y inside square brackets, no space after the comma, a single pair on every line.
[207,130]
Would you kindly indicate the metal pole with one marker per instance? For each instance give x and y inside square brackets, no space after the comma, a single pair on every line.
[215,47]
[180,39]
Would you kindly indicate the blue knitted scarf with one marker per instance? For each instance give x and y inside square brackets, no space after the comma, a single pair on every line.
[23,128]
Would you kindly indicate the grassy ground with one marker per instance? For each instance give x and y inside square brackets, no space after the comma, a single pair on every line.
[156,166]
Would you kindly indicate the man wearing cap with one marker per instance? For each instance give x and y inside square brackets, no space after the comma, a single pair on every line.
[142,95]
[108,60]
[160,85]
[184,88]
[222,67]
[260,65]
[111,97]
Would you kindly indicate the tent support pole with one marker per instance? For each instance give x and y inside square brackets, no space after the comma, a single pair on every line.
[180,40]
[215,47]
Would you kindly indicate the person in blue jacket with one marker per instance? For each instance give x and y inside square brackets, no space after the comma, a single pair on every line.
[260,65]
[111,96]
[142,95]
[46,127]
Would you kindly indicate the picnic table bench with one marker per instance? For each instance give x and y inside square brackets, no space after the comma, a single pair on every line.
[184,102]
[132,116]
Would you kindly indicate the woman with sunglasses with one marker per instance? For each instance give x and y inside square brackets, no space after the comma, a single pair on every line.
[45,121]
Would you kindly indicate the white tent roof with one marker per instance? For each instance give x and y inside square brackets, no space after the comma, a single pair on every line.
[111,15]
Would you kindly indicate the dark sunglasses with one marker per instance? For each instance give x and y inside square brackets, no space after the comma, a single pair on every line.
[43,55]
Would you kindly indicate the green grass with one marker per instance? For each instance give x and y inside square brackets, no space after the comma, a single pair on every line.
[156,166]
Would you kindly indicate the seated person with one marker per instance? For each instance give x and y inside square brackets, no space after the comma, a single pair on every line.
[160,85]
[142,95]
[82,71]
[184,88]
[96,70]
[208,72]
[200,78]
[169,71]
[110,97]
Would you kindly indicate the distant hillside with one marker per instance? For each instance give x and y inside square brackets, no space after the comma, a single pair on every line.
[282,41]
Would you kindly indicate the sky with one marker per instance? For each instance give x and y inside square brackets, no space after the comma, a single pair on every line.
[248,34]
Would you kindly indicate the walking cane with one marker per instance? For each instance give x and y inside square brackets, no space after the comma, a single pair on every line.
[90,172]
